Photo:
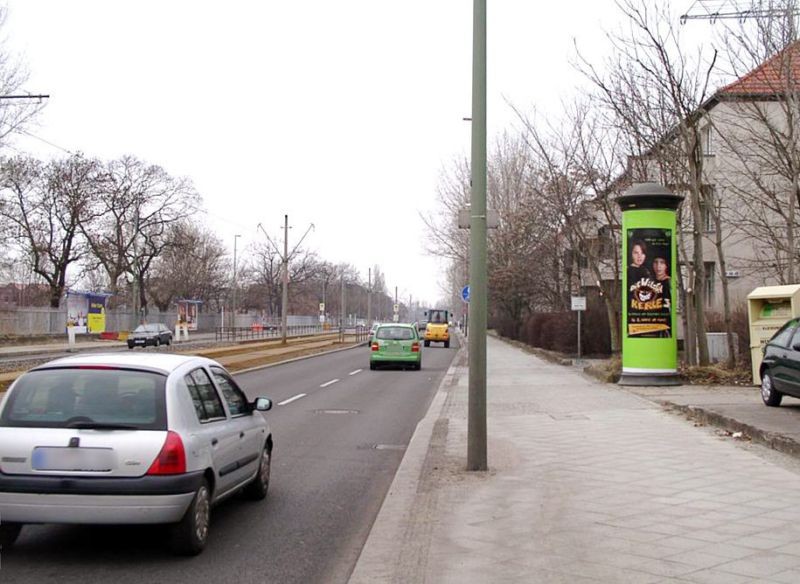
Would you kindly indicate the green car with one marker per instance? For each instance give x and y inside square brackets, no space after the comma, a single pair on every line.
[396,344]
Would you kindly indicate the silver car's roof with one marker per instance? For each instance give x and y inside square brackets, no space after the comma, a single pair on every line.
[163,362]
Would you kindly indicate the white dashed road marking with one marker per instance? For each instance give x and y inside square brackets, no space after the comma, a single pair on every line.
[327,383]
[291,399]
[354,372]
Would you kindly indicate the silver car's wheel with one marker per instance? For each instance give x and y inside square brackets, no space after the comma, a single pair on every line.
[189,537]
[769,395]
[258,489]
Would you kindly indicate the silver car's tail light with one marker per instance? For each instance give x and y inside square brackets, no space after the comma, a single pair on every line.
[171,459]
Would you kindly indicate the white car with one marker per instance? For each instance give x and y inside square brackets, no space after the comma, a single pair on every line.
[116,439]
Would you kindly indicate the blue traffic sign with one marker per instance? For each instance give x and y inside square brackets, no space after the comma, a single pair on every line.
[465,293]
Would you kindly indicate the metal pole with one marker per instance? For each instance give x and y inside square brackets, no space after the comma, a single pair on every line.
[233,312]
[476,416]
[579,336]
[341,311]
[135,298]
[285,298]
[369,298]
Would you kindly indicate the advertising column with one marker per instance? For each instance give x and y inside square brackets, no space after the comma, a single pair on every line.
[649,316]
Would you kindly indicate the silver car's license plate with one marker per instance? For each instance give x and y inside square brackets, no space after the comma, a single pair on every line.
[78,459]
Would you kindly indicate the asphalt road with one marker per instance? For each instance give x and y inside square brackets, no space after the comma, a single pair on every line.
[337,449]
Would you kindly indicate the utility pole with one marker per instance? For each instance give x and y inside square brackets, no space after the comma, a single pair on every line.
[476,411]
[342,312]
[135,294]
[369,298]
[285,296]
[285,257]
[233,312]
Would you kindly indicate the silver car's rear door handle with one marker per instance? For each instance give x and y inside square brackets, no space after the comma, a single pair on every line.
[214,441]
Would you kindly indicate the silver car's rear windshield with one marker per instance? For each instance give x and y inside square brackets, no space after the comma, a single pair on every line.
[395,333]
[87,397]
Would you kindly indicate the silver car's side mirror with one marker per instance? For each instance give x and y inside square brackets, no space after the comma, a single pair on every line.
[262,404]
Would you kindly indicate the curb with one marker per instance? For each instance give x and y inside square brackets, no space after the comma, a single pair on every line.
[772,440]
[379,555]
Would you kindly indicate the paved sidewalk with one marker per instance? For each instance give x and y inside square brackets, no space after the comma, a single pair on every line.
[588,482]
[736,409]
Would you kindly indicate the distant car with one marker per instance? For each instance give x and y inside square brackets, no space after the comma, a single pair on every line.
[371,334]
[129,439]
[780,367]
[396,344]
[149,334]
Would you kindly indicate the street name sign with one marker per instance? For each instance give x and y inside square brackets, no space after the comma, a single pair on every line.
[579,303]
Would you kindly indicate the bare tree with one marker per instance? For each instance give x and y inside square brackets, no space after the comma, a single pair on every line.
[42,207]
[578,161]
[264,269]
[16,115]
[522,263]
[656,91]
[759,127]
[137,205]
[194,265]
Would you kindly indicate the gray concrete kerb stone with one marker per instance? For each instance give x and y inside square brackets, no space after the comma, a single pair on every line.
[379,558]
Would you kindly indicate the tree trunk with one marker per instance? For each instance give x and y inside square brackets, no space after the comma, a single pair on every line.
[55,297]
[613,324]
[695,172]
[723,278]
[687,315]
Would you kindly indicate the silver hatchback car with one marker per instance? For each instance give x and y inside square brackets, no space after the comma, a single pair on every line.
[118,439]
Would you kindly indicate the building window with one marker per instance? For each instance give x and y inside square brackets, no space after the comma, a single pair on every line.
[707,135]
[708,287]
[706,206]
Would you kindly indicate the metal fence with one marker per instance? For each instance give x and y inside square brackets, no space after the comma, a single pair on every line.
[52,321]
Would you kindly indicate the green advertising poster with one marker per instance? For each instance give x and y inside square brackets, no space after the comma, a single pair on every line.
[649,344]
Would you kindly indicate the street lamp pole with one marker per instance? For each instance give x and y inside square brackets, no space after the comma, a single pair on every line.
[476,411]
[369,297]
[233,311]
[342,313]
[285,296]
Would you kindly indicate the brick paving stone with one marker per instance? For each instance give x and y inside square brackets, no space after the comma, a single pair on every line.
[594,483]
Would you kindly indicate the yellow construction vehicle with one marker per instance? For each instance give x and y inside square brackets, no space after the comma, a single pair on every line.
[437,329]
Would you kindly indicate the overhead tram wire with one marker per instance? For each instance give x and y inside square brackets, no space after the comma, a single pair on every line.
[48,142]
[714,10]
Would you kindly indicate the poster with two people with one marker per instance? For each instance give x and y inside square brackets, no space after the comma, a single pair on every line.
[648,283]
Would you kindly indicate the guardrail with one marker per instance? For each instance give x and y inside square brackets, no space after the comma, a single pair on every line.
[230,333]
[256,332]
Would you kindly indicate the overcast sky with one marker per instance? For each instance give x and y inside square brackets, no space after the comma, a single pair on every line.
[338,113]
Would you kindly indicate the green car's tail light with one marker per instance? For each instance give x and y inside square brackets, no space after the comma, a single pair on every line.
[415,347]
[375,346]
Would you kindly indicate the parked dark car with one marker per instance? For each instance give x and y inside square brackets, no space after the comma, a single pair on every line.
[149,334]
[780,367]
